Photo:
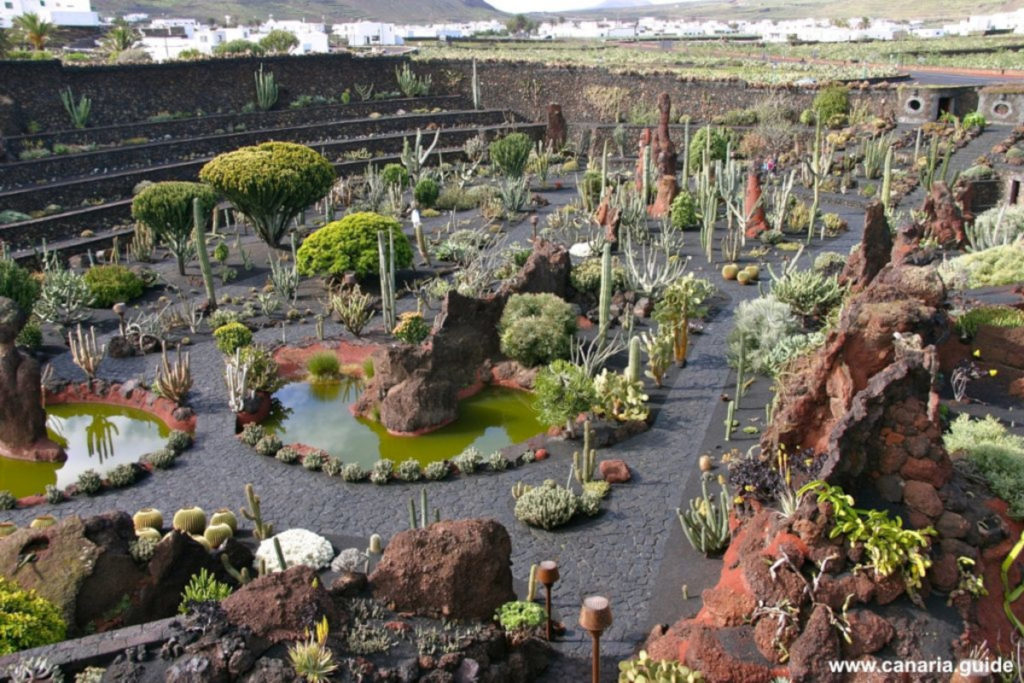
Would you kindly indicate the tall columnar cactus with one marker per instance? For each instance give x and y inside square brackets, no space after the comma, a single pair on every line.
[633,369]
[414,157]
[741,364]
[604,168]
[686,155]
[262,530]
[387,279]
[199,226]
[706,523]
[583,462]
[730,419]
[476,87]
[887,179]
[421,521]
[605,299]
[531,584]
[1012,594]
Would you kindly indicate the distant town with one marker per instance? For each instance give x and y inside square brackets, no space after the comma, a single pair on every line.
[167,38]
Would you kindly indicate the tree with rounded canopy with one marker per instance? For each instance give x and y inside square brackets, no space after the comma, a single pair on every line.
[271,183]
[166,209]
[279,41]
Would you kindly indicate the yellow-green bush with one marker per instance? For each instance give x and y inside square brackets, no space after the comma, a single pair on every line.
[231,337]
[26,619]
[351,245]
[112,284]
[536,328]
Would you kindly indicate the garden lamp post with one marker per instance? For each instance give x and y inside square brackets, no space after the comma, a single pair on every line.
[595,617]
[547,574]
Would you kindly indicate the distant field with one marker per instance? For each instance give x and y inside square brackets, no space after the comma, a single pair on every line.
[734,10]
[311,10]
[754,62]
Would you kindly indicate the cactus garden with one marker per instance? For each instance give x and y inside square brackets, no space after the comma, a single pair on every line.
[418,389]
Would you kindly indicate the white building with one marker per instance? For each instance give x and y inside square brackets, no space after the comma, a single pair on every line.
[368,33]
[166,39]
[59,12]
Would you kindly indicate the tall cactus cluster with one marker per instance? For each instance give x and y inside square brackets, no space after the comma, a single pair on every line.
[706,522]
[199,226]
[386,258]
[583,462]
[605,297]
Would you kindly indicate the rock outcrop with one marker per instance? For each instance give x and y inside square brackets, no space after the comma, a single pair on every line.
[665,160]
[415,389]
[556,133]
[458,569]
[873,253]
[943,221]
[753,207]
[22,416]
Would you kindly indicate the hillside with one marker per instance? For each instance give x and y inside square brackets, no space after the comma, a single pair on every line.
[732,10]
[333,11]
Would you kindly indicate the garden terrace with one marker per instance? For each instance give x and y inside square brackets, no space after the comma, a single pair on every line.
[190,126]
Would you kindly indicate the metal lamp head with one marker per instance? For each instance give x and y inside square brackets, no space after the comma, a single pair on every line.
[547,572]
[596,614]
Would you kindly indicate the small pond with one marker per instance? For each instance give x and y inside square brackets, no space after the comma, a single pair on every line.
[318,415]
[95,435]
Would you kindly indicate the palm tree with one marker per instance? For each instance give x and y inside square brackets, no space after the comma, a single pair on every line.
[5,42]
[120,38]
[34,29]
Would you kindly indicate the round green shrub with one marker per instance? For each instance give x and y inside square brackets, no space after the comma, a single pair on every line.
[830,101]
[426,192]
[546,506]
[89,482]
[520,615]
[166,208]
[112,284]
[684,211]
[231,337]
[122,476]
[720,139]
[252,433]
[590,185]
[511,153]
[286,454]
[17,284]
[411,328]
[26,619]
[239,46]
[351,245]
[409,470]
[315,460]
[536,329]
[333,467]
[353,472]
[394,175]
[270,183]
[270,445]
[807,117]
[31,336]
[162,459]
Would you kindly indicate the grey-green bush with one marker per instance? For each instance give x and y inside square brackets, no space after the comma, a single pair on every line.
[536,329]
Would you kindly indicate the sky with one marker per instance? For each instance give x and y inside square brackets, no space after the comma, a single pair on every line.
[553,5]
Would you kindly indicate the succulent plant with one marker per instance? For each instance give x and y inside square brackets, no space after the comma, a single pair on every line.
[286,454]
[148,518]
[497,461]
[34,670]
[644,669]
[179,441]
[7,528]
[353,471]
[252,433]
[201,540]
[190,520]
[436,471]
[7,500]
[224,516]
[143,547]
[150,533]
[42,522]
[409,470]
[381,471]
[217,534]
[269,445]
[89,482]
[162,459]
[54,494]
[314,460]
[333,467]
[547,506]
[122,476]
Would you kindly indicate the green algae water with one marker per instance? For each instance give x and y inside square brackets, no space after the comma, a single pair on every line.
[95,436]
[318,415]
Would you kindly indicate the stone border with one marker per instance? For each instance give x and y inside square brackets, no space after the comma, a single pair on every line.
[126,395]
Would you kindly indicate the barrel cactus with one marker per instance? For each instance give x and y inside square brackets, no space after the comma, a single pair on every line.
[148,518]
[191,520]
[217,534]
[224,516]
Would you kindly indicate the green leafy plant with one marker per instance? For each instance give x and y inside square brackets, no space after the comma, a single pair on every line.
[311,658]
[536,328]
[411,328]
[394,175]
[809,293]
[351,245]
[232,337]
[995,316]
[890,548]
[426,192]
[546,506]
[992,267]
[166,208]
[586,276]
[759,325]
[720,139]
[831,101]
[17,284]
[620,397]
[323,365]
[520,615]
[279,41]
[78,111]
[26,619]
[706,522]
[410,84]
[684,211]
[111,284]
[511,153]
[202,587]
[997,453]
[563,390]
[270,183]
[643,669]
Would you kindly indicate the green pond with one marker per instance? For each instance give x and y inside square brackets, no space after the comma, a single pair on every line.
[95,436]
[318,415]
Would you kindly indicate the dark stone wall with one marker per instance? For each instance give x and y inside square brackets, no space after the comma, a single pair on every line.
[29,91]
[528,88]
